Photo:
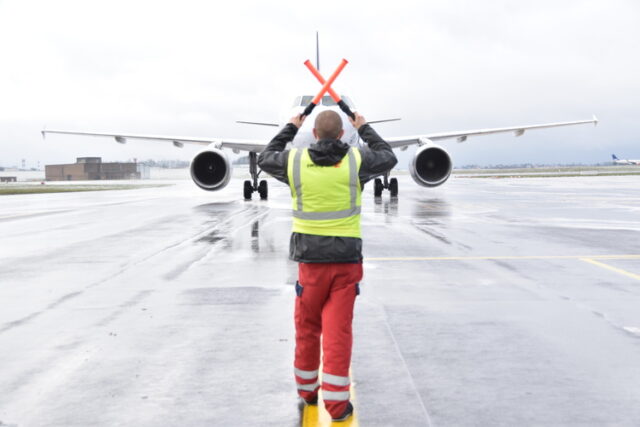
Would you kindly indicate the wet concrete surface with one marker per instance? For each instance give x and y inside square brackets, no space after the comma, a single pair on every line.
[484,302]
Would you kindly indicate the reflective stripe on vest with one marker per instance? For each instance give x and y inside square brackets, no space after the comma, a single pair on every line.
[297,179]
[353,191]
[325,199]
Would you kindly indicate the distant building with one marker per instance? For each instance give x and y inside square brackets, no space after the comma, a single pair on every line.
[92,168]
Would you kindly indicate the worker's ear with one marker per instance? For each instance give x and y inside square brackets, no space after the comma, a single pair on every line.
[341,134]
[315,133]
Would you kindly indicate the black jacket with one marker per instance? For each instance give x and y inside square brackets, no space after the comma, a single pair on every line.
[377,158]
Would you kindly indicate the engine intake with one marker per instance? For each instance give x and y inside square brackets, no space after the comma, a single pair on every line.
[431,165]
[210,169]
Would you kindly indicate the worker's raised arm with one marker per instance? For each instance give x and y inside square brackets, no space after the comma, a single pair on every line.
[273,159]
[377,155]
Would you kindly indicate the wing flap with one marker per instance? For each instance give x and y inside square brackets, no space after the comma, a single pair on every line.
[177,141]
[462,136]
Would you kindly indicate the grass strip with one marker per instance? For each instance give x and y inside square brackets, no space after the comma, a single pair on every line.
[38,189]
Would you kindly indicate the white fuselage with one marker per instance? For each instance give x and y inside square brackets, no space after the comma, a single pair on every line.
[626,162]
[305,137]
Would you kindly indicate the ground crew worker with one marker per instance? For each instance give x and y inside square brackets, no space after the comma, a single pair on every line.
[326,181]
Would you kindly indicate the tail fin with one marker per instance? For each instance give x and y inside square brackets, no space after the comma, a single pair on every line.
[614,157]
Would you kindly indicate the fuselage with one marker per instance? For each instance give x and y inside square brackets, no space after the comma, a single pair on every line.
[617,161]
[305,137]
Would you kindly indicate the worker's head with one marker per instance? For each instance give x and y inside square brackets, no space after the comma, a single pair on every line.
[328,125]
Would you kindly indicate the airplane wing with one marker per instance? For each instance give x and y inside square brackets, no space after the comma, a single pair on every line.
[178,141]
[403,141]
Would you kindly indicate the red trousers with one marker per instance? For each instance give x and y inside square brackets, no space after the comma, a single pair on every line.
[326,293]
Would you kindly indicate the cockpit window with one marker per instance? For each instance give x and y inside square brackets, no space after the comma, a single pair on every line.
[327,101]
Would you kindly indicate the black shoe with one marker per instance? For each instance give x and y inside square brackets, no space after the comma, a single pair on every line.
[313,401]
[347,413]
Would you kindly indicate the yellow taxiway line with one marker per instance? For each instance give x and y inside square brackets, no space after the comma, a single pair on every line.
[317,415]
[611,268]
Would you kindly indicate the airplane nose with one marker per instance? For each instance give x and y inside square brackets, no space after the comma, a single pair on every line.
[351,138]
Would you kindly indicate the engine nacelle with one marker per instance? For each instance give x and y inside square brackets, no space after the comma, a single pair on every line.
[211,169]
[431,165]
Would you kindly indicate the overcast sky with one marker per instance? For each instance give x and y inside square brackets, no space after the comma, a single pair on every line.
[192,68]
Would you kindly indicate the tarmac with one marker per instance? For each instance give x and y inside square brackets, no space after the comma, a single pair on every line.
[485,302]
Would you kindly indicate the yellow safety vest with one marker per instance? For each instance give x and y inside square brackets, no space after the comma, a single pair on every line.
[326,199]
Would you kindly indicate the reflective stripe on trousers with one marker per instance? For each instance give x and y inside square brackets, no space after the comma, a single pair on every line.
[335,396]
[306,380]
[306,375]
[308,387]
[335,380]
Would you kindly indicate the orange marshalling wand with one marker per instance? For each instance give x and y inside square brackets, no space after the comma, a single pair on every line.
[343,106]
[325,87]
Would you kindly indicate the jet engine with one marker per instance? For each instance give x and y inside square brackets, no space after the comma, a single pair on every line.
[211,169]
[431,165]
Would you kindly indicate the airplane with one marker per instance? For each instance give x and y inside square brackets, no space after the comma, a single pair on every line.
[210,169]
[617,161]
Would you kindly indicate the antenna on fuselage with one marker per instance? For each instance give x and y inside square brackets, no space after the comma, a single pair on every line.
[317,52]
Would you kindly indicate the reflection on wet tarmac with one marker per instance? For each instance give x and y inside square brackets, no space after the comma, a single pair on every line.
[216,209]
[386,206]
[225,219]
[431,207]
[213,237]
[255,236]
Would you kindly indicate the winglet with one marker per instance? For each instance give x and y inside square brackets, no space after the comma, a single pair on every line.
[44,132]
[595,120]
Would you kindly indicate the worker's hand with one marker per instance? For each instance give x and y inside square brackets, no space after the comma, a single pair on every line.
[359,121]
[297,120]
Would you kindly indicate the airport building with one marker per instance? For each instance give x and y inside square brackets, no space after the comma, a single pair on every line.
[92,168]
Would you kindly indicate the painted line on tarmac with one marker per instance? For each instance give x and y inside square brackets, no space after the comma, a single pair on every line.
[406,367]
[611,268]
[506,257]
[317,415]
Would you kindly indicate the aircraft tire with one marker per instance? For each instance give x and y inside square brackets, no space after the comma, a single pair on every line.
[393,187]
[263,190]
[377,187]
[248,190]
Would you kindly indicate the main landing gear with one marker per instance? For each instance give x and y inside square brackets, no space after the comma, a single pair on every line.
[252,185]
[385,183]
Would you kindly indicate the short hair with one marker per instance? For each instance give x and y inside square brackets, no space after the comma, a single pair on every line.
[328,125]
